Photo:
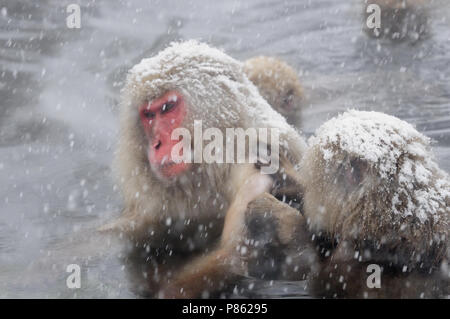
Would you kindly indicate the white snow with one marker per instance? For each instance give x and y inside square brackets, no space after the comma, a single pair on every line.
[381,140]
[177,54]
[374,136]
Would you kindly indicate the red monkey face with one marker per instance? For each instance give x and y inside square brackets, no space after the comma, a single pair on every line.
[159,118]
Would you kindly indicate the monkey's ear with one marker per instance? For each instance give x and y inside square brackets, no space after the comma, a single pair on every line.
[356,172]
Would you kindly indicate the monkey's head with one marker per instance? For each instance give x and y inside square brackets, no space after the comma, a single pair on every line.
[371,175]
[185,83]
[277,82]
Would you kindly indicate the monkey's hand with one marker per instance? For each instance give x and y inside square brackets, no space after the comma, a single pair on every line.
[276,243]
[233,229]
[266,215]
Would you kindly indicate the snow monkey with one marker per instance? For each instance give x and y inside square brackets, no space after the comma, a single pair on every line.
[189,221]
[373,194]
[278,83]
[399,19]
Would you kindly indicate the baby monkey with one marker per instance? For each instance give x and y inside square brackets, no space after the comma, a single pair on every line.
[278,84]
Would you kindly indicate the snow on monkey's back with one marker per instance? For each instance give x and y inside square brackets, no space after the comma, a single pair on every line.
[398,152]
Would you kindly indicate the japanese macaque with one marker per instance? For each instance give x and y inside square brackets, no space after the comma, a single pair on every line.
[278,83]
[373,194]
[190,222]
[398,19]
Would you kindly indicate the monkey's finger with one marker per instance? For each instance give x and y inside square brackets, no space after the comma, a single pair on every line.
[290,221]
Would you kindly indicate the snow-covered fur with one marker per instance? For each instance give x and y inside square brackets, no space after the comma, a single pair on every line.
[371,179]
[278,83]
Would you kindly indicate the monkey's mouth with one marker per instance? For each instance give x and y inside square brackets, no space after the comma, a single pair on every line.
[173,169]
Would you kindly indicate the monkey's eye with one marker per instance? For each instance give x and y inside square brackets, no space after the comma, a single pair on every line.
[148,115]
[167,107]
[288,97]
[355,174]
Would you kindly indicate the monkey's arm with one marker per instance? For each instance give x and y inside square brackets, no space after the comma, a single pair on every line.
[200,277]
[134,225]
[278,241]
[259,224]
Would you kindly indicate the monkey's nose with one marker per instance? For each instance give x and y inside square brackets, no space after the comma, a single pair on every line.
[157,145]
